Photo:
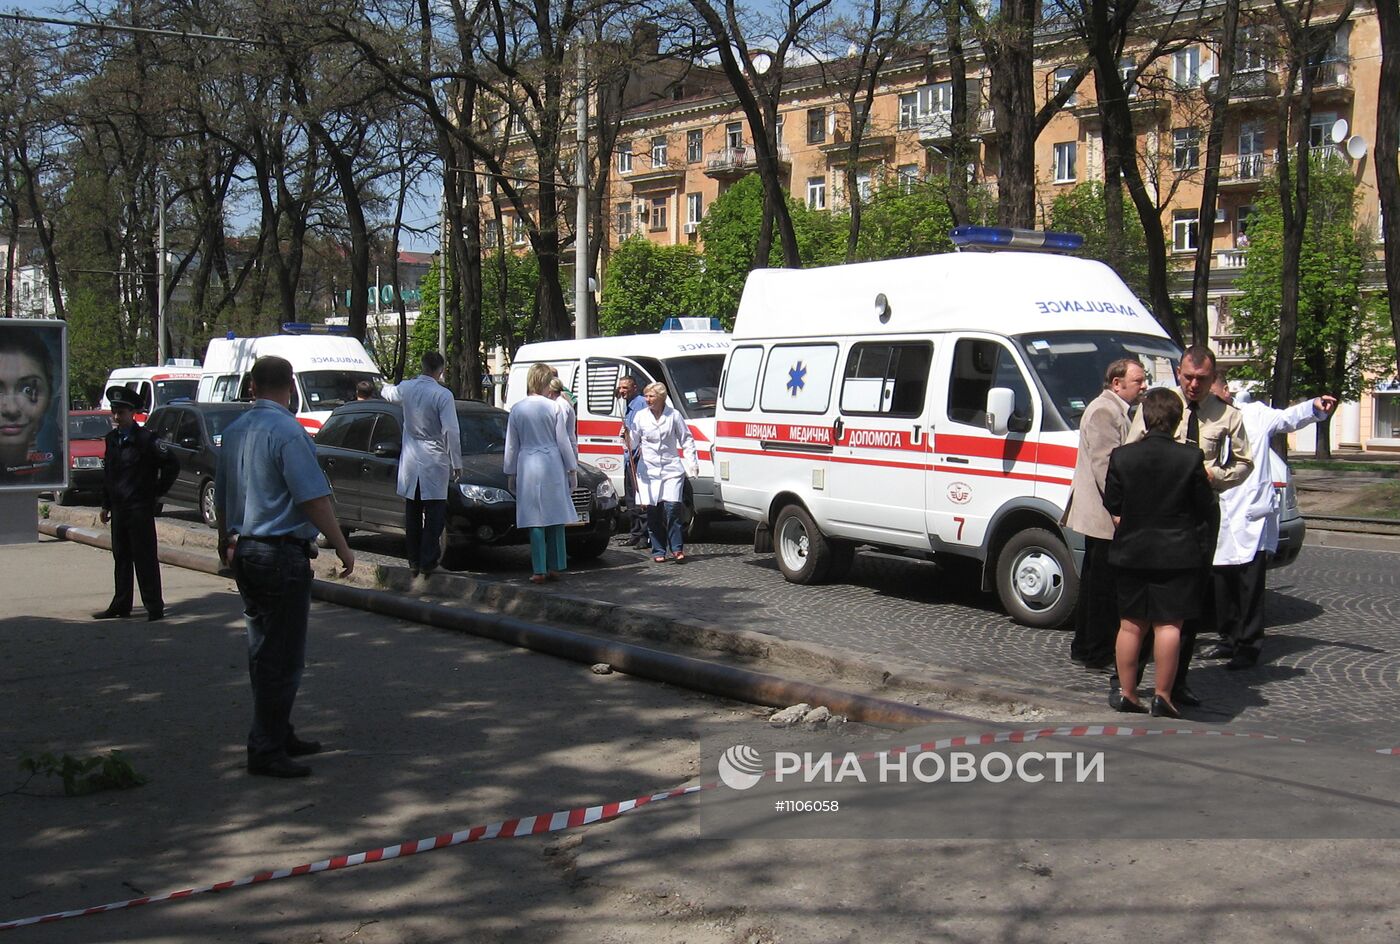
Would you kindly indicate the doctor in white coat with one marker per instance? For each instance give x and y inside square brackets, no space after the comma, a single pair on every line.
[431,457]
[1249,524]
[667,454]
[542,467]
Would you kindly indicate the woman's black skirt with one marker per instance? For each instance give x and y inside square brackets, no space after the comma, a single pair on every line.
[1159,596]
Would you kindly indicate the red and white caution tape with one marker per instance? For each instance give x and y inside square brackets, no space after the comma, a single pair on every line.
[584,816]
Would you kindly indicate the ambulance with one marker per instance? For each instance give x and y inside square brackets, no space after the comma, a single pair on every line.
[927,406]
[687,356]
[326,364]
[154,386]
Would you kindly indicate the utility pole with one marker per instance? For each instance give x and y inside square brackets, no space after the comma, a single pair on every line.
[161,352]
[442,267]
[581,255]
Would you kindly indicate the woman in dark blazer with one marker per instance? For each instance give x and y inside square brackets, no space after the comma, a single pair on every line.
[1161,500]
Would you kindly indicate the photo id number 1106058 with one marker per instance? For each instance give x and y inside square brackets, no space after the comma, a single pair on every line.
[806,806]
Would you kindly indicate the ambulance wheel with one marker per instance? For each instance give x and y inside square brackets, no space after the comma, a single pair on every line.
[1036,579]
[804,555]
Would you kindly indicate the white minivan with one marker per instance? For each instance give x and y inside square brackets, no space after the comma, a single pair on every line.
[688,361]
[929,406]
[154,386]
[326,366]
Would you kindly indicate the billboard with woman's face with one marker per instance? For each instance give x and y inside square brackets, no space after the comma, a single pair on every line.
[33,405]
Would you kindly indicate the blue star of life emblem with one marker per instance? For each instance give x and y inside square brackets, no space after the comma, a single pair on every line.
[797,378]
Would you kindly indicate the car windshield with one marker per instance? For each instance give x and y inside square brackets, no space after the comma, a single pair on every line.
[482,433]
[167,390]
[328,389]
[88,427]
[694,383]
[219,420]
[1070,365]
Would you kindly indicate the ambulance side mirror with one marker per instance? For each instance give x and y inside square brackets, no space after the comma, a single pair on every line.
[1001,403]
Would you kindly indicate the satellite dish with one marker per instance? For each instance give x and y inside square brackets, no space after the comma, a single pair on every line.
[1356,147]
[1339,131]
[761,61]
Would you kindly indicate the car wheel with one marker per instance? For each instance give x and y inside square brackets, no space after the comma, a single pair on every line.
[804,555]
[1036,579]
[207,510]
[591,549]
[64,496]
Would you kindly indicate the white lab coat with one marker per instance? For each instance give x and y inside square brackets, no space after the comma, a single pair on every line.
[563,405]
[1249,513]
[540,456]
[668,452]
[432,440]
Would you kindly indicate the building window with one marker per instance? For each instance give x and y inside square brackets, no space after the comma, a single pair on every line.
[658,214]
[694,146]
[1251,158]
[624,157]
[860,119]
[491,237]
[624,220]
[517,123]
[1063,75]
[864,188]
[734,135]
[1186,148]
[694,207]
[1186,67]
[1249,52]
[1185,229]
[908,177]
[1064,162]
[909,110]
[1387,422]
[1320,132]
[1242,216]
[816,125]
[658,151]
[816,193]
[938,98]
[1127,71]
[518,233]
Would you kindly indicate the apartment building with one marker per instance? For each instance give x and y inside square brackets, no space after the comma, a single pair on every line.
[674,157]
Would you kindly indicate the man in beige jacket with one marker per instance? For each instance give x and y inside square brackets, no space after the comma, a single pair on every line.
[1102,429]
[1218,429]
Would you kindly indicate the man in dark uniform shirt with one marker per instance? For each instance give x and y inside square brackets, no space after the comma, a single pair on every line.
[137,471]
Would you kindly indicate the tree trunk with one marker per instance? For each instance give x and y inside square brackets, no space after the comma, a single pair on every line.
[1385,156]
[959,146]
[1205,219]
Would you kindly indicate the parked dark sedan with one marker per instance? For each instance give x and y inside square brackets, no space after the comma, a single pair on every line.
[193,432]
[359,445]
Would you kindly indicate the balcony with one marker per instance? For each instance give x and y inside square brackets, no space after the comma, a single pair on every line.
[734,162]
[1229,259]
[1232,347]
[660,175]
[1256,85]
[1246,169]
[936,127]
[1331,81]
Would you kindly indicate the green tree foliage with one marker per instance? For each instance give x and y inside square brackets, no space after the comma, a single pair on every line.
[94,346]
[646,285]
[520,324]
[423,336]
[1342,334]
[1081,210]
[898,222]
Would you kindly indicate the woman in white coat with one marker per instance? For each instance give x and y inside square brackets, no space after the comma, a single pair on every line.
[542,468]
[668,453]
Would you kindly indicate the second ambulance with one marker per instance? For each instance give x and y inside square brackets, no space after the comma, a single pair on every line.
[927,405]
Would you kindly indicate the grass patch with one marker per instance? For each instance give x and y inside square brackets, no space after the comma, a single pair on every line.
[1381,500]
[1384,470]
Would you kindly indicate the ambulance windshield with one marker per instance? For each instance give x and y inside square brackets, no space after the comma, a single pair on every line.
[694,383]
[1070,365]
[328,389]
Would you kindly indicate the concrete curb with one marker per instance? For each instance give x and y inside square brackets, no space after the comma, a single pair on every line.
[894,678]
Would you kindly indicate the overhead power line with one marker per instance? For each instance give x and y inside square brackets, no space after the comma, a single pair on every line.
[120,28]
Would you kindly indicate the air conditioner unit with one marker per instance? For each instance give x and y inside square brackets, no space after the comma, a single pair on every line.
[691,228]
[1221,216]
[642,209]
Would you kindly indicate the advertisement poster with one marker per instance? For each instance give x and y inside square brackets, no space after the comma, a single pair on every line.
[33,405]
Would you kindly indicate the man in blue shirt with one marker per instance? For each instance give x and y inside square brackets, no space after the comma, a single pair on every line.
[272,499]
[632,401]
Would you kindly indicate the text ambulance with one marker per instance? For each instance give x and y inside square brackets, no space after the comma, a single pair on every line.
[688,362]
[925,405]
[326,366]
[154,386]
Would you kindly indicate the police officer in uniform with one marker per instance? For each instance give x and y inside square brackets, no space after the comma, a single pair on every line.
[137,471]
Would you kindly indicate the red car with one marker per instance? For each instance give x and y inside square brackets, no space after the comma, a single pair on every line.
[87,430]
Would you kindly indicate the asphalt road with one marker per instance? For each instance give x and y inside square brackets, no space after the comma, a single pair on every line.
[1331,657]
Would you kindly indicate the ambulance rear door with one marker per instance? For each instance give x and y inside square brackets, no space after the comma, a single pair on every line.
[880,455]
[975,471]
[600,412]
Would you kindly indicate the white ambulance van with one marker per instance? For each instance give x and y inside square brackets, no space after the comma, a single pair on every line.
[687,356]
[327,366]
[154,386]
[925,405]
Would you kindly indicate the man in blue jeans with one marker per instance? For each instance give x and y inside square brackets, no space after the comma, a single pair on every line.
[272,499]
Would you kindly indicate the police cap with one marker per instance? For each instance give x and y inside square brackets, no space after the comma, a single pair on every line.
[121,396]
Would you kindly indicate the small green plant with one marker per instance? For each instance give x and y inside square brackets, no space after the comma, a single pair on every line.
[44,510]
[84,775]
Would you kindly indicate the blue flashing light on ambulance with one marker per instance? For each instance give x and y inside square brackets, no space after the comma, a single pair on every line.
[927,406]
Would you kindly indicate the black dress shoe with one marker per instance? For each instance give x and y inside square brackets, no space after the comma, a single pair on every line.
[1181,695]
[296,747]
[153,616]
[1161,708]
[110,613]
[282,767]
[1243,659]
[1220,652]
[413,570]
[1117,702]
